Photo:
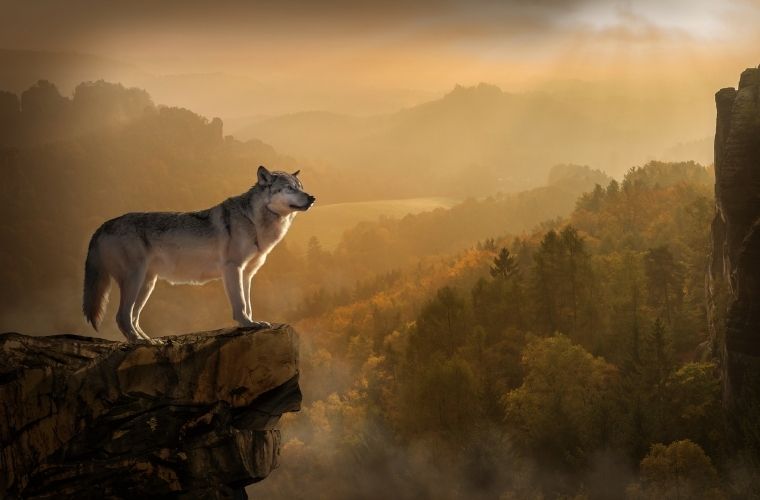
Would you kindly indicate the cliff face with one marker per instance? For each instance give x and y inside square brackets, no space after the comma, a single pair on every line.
[192,418]
[734,275]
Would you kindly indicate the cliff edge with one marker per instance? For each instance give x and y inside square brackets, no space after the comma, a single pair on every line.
[193,417]
[733,284]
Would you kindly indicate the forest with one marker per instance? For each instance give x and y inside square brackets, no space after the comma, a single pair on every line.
[546,343]
[570,361]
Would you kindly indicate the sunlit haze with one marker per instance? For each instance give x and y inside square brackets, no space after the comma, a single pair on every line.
[468,249]
[266,58]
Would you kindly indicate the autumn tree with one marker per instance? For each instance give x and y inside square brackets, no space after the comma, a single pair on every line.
[695,404]
[440,401]
[562,411]
[680,470]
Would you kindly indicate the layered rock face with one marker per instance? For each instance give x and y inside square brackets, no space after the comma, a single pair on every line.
[193,417]
[734,277]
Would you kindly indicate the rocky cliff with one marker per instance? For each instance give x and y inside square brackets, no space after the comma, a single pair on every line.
[734,275]
[193,417]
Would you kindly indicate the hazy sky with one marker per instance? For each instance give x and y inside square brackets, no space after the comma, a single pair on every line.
[377,56]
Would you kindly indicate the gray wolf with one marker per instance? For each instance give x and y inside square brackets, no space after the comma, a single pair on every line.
[230,241]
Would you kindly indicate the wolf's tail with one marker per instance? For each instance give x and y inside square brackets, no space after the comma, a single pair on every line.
[97,284]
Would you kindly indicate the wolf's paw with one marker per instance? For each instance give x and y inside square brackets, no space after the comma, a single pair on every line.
[150,341]
[256,324]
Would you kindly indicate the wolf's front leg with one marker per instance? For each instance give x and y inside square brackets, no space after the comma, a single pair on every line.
[247,297]
[233,284]
[247,278]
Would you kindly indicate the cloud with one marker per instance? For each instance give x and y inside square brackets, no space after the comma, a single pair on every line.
[132,27]
[79,21]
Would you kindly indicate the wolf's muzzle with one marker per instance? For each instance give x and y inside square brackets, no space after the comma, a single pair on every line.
[310,201]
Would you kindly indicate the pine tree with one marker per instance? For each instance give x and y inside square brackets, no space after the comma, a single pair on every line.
[504,266]
[664,281]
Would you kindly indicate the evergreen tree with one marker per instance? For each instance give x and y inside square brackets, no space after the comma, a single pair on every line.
[504,266]
[498,303]
[563,285]
[664,281]
[440,327]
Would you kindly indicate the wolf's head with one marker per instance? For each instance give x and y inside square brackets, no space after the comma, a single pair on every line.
[286,194]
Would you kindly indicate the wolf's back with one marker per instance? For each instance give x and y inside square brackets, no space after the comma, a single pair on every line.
[97,283]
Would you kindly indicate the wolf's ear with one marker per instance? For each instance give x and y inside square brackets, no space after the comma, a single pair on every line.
[295,174]
[264,176]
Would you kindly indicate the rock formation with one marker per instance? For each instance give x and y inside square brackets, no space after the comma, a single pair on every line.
[193,417]
[734,275]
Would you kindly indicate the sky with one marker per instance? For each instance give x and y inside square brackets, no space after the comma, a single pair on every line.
[375,57]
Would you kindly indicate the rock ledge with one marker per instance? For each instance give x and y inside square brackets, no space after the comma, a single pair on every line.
[193,417]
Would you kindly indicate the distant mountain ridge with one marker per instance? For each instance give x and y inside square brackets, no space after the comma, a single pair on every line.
[19,69]
[472,141]
[477,136]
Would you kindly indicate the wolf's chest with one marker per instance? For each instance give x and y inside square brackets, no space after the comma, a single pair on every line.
[265,239]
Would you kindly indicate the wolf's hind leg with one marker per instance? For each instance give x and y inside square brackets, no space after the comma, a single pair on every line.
[142,299]
[130,287]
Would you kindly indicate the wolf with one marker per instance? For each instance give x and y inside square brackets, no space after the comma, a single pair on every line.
[230,241]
